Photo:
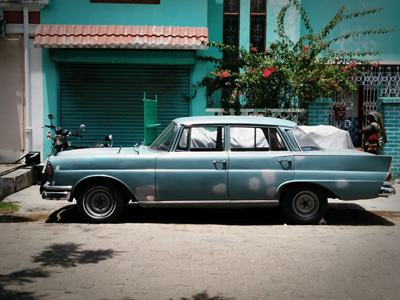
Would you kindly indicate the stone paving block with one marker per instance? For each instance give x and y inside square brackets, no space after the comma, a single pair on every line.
[332,262]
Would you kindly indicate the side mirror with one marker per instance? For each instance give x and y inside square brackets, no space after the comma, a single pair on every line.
[82,127]
[50,116]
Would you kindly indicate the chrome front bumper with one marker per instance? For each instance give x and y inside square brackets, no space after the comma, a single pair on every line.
[387,189]
[56,192]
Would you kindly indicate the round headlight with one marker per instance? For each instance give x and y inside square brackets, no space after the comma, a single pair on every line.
[59,140]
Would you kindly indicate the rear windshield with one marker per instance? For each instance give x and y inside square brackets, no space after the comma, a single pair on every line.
[305,142]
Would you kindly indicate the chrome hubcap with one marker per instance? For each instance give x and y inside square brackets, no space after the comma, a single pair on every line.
[99,202]
[306,204]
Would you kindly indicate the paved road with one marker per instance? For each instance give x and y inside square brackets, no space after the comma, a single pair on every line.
[47,252]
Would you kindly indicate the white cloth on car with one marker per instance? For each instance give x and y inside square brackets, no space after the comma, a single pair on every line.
[329,136]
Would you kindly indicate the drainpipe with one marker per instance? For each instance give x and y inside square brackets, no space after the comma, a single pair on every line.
[27,73]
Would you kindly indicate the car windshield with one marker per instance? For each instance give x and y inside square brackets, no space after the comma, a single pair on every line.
[305,142]
[163,142]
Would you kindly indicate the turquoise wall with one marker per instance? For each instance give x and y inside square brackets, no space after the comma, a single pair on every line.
[167,13]
[388,18]
[209,13]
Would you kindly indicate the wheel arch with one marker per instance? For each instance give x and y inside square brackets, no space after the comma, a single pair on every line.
[123,188]
[289,185]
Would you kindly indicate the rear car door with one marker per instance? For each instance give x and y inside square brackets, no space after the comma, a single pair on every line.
[259,161]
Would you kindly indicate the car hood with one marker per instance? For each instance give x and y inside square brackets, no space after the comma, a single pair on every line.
[105,158]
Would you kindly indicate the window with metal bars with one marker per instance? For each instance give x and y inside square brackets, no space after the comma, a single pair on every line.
[258,18]
[231,22]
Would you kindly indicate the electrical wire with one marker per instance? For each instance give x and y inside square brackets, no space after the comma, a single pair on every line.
[3,24]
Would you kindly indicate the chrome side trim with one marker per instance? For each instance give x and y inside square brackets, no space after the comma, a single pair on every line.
[209,203]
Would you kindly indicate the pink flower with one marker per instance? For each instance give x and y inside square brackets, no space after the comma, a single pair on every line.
[309,80]
[368,71]
[223,74]
[266,73]
[376,65]
[238,85]
[306,48]
[308,96]
[236,58]
[267,50]
[344,69]
[254,49]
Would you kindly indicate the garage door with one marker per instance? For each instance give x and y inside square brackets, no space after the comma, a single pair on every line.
[108,99]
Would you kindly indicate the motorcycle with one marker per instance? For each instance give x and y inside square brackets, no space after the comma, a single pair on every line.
[60,143]
[60,138]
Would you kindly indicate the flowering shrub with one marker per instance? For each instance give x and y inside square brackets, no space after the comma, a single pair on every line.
[287,73]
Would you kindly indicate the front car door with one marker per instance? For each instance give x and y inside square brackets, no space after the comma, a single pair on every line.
[259,161]
[196,167]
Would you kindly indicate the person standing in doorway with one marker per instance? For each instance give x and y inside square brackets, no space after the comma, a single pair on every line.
[374,134]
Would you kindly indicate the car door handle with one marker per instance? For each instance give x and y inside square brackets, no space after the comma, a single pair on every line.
[223,162]
[288,160]
[285,163]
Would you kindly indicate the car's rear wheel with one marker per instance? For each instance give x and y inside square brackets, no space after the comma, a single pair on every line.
[100,203]
[304,204]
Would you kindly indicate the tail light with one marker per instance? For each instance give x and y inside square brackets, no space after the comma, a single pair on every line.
[48,135]
[389,177]
[48,169]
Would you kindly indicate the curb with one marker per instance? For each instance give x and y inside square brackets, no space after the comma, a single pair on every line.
[17,180]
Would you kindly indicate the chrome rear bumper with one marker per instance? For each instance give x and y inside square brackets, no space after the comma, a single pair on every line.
[387,189]
[56,192]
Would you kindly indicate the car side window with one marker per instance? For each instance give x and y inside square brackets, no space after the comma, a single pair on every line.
[199,138]
[276,141]
[248,139]
[255,139]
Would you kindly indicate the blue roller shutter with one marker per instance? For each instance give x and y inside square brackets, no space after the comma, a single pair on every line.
[108,99]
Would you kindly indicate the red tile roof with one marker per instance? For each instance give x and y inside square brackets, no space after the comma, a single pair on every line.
[103,36]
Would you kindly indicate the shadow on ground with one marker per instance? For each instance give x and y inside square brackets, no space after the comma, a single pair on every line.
[337,214]
[69,255]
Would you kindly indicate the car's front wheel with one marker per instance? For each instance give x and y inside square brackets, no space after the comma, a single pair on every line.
[100,203]
[304,204]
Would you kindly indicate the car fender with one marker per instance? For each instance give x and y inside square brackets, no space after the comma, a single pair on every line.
[83,181]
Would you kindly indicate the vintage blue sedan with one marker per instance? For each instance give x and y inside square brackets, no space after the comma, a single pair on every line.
[218,162]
